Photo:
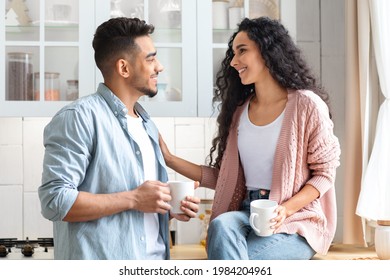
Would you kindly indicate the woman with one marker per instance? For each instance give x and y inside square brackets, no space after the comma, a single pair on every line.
[275,141]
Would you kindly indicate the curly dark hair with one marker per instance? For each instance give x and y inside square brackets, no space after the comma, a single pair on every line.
[115,39]
[285,63]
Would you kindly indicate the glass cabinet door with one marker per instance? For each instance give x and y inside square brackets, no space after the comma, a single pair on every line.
[41,56]
[224,16]
[175,40]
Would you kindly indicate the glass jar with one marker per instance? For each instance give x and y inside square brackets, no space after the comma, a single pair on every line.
[52,86]
[19,82]
[72,91]
[205,218]
[115,9]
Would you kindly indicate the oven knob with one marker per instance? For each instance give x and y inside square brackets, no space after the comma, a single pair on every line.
[28,250]
[3,251]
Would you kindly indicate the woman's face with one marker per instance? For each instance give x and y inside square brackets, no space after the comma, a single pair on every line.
[247,60]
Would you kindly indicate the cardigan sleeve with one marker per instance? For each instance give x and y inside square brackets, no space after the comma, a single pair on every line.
[209,177]
[323,152]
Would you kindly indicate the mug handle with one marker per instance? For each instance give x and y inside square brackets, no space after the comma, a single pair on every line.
[252,223]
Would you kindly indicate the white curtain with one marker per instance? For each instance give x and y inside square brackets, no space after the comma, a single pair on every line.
[374,198]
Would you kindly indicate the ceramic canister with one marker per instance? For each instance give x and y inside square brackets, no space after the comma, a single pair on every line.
[382,242]
[220,14]
[236,14]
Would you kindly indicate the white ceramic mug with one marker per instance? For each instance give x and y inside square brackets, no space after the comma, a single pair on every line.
[262,211]
[179,191]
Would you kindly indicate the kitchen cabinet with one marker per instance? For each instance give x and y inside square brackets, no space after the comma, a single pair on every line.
[44,50]
[49,42]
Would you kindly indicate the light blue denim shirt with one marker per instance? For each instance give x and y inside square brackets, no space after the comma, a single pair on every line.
[89,148]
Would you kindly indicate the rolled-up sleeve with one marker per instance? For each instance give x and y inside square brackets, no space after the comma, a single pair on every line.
[68,142]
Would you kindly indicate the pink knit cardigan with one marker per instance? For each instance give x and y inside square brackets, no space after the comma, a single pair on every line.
[307,153]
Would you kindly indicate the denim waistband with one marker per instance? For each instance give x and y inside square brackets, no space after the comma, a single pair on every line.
[257,194]
[253,195]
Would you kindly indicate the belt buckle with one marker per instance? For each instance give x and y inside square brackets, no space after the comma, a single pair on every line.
[263,192]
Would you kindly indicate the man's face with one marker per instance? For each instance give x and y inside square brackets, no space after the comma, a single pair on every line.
[146,68]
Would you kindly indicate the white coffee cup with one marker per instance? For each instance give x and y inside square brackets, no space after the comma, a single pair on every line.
[262,211]
[179,191]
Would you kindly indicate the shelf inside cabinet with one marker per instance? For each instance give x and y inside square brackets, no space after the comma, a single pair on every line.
[25,33]
[57,23]
[33,27]
[20,28]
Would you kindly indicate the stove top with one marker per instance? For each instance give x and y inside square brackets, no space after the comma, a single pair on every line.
[12,248]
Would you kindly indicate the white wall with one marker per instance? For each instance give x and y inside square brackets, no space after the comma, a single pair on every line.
[320,34]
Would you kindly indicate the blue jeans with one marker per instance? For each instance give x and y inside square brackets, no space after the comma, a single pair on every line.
[230,237]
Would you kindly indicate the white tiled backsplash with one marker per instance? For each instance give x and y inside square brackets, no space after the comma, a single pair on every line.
[21,156]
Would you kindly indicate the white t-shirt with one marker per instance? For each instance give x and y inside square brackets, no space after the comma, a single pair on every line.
[155,247]
[256,146]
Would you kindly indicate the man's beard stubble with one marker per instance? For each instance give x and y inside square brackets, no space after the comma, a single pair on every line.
[148,92]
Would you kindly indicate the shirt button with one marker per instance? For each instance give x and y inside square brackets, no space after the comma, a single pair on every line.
[142,238]
[116,113]
[138,152]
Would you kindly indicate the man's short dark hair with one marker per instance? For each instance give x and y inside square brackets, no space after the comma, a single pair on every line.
[115,39]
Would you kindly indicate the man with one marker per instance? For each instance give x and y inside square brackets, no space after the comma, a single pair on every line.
[103,171]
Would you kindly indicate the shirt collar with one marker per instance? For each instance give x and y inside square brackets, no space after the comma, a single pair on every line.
[117,106]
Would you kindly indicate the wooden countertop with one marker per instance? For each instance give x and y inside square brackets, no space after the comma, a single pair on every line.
[348,252]
[336,252]
[188,252]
